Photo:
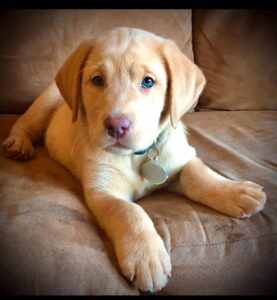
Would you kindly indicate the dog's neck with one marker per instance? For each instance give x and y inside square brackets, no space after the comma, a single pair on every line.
[161,138]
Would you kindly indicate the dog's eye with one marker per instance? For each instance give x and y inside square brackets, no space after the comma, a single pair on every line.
[147,82]
[98,80]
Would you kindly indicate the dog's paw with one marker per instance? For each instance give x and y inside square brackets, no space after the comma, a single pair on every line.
[18,148]
[244,199]
[145,261]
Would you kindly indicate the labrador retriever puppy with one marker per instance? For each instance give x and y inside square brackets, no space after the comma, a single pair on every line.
[112,118]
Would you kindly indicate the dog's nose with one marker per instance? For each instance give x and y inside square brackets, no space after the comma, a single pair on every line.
[117,126]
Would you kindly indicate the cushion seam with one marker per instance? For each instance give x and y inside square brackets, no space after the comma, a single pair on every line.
[229,242]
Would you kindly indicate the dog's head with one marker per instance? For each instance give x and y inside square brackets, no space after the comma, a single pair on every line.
[128,85]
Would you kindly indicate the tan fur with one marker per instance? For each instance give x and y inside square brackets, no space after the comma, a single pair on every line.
[110,174]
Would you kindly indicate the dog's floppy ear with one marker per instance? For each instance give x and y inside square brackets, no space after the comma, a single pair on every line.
[185,81]
[69,77]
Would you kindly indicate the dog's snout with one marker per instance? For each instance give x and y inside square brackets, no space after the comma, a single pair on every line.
[117,126]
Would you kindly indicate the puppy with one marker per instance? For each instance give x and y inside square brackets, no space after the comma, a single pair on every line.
[112,118]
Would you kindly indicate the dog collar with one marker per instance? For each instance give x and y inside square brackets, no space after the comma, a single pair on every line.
[141,152]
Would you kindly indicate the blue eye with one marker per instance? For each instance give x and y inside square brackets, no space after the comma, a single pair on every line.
[147,82]
[98,80]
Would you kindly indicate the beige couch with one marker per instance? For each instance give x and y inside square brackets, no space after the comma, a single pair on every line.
[51,244]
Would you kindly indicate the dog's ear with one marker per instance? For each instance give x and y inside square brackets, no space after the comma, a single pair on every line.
[185,81]
[69,77]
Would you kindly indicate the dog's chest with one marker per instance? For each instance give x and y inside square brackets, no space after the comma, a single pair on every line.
[124,178]
[121,177]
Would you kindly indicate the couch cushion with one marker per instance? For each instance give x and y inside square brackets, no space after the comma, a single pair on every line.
[51,244]
[236,50]
[35,43]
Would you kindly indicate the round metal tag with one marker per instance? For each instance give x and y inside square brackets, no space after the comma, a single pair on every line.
[153,172]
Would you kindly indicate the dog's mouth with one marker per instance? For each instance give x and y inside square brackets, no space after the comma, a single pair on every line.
[120,146]
[119,149]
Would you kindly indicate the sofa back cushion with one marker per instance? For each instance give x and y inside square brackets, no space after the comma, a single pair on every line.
[236,49]
[35,43]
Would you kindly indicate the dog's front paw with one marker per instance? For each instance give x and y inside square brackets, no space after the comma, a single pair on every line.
[18,148]
[144,260]
[245,199]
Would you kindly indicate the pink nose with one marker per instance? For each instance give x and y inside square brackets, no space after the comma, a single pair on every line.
[117,127]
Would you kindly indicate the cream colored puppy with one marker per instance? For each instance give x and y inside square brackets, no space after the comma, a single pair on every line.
[115,106]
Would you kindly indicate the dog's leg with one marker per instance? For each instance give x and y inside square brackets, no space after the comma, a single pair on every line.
[140,251]
[30,126]
[236,199]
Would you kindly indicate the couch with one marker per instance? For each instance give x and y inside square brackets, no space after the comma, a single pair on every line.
[50,242]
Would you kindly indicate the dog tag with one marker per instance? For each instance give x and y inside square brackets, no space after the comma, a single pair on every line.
[154,172]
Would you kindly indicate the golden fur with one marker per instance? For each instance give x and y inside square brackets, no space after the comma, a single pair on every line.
[73,110]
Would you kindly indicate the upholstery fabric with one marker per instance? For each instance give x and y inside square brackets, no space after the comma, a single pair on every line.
[51,244]
[236,49]
[35,43]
